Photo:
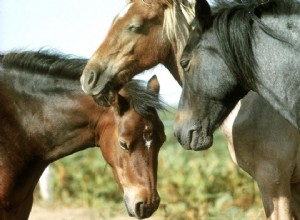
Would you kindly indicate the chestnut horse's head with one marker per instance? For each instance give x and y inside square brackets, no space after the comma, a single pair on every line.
[130,144]
[146,33]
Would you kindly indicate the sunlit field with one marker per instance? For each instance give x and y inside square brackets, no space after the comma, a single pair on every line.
[192,185]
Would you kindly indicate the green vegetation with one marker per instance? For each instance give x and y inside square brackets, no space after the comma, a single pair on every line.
[192,185]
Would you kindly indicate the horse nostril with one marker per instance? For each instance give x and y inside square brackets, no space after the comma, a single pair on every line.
[184,63]
[91,79]
[139,209]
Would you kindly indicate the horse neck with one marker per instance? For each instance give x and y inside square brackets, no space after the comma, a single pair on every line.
[81,118]
[56,120]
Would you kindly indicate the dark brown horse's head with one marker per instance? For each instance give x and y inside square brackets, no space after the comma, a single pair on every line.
[130,144]
[140,37]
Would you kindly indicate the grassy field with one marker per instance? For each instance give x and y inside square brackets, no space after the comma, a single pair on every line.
[192,185]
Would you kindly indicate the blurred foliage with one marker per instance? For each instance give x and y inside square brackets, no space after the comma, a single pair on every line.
[192,185]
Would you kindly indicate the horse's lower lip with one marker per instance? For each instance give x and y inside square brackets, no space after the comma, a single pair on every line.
[199,141]
[131,215]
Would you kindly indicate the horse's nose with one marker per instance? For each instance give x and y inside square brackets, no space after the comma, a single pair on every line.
[142,209]
[89,80]
[182,130]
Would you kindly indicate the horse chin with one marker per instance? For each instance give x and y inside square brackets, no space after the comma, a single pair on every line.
[199,141]
[141,210]
[132,214]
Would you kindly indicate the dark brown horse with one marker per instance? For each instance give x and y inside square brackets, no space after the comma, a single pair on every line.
[46,116]
[137,41]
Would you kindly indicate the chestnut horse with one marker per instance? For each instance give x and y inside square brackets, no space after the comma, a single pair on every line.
[140,37]
[150,32]
[45,116]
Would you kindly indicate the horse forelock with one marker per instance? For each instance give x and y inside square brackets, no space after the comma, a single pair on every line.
[177,17]
[143,100]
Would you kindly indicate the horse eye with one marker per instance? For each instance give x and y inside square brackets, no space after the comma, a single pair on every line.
[123,145]
[135,27]
[185,64]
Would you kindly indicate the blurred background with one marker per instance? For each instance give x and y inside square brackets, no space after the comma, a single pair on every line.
[192,185]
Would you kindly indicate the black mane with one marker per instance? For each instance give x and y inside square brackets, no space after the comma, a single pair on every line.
[47,62]
[278,6]
[232,22]
[143,100]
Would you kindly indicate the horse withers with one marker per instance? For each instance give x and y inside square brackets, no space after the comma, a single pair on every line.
[45,116]
[241,46]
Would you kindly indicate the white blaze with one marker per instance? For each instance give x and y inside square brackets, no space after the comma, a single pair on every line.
[147,142]
[125,10]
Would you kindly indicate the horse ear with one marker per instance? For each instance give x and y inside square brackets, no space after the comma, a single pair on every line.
[203,13]
[122,105]
[153,84]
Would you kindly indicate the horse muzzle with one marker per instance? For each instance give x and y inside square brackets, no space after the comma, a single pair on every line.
[101,90]
[141,208]
[191,136]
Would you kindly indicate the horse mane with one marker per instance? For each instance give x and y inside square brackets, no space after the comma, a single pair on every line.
[177,17]
[143,100]
[46,61]
[233,21]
